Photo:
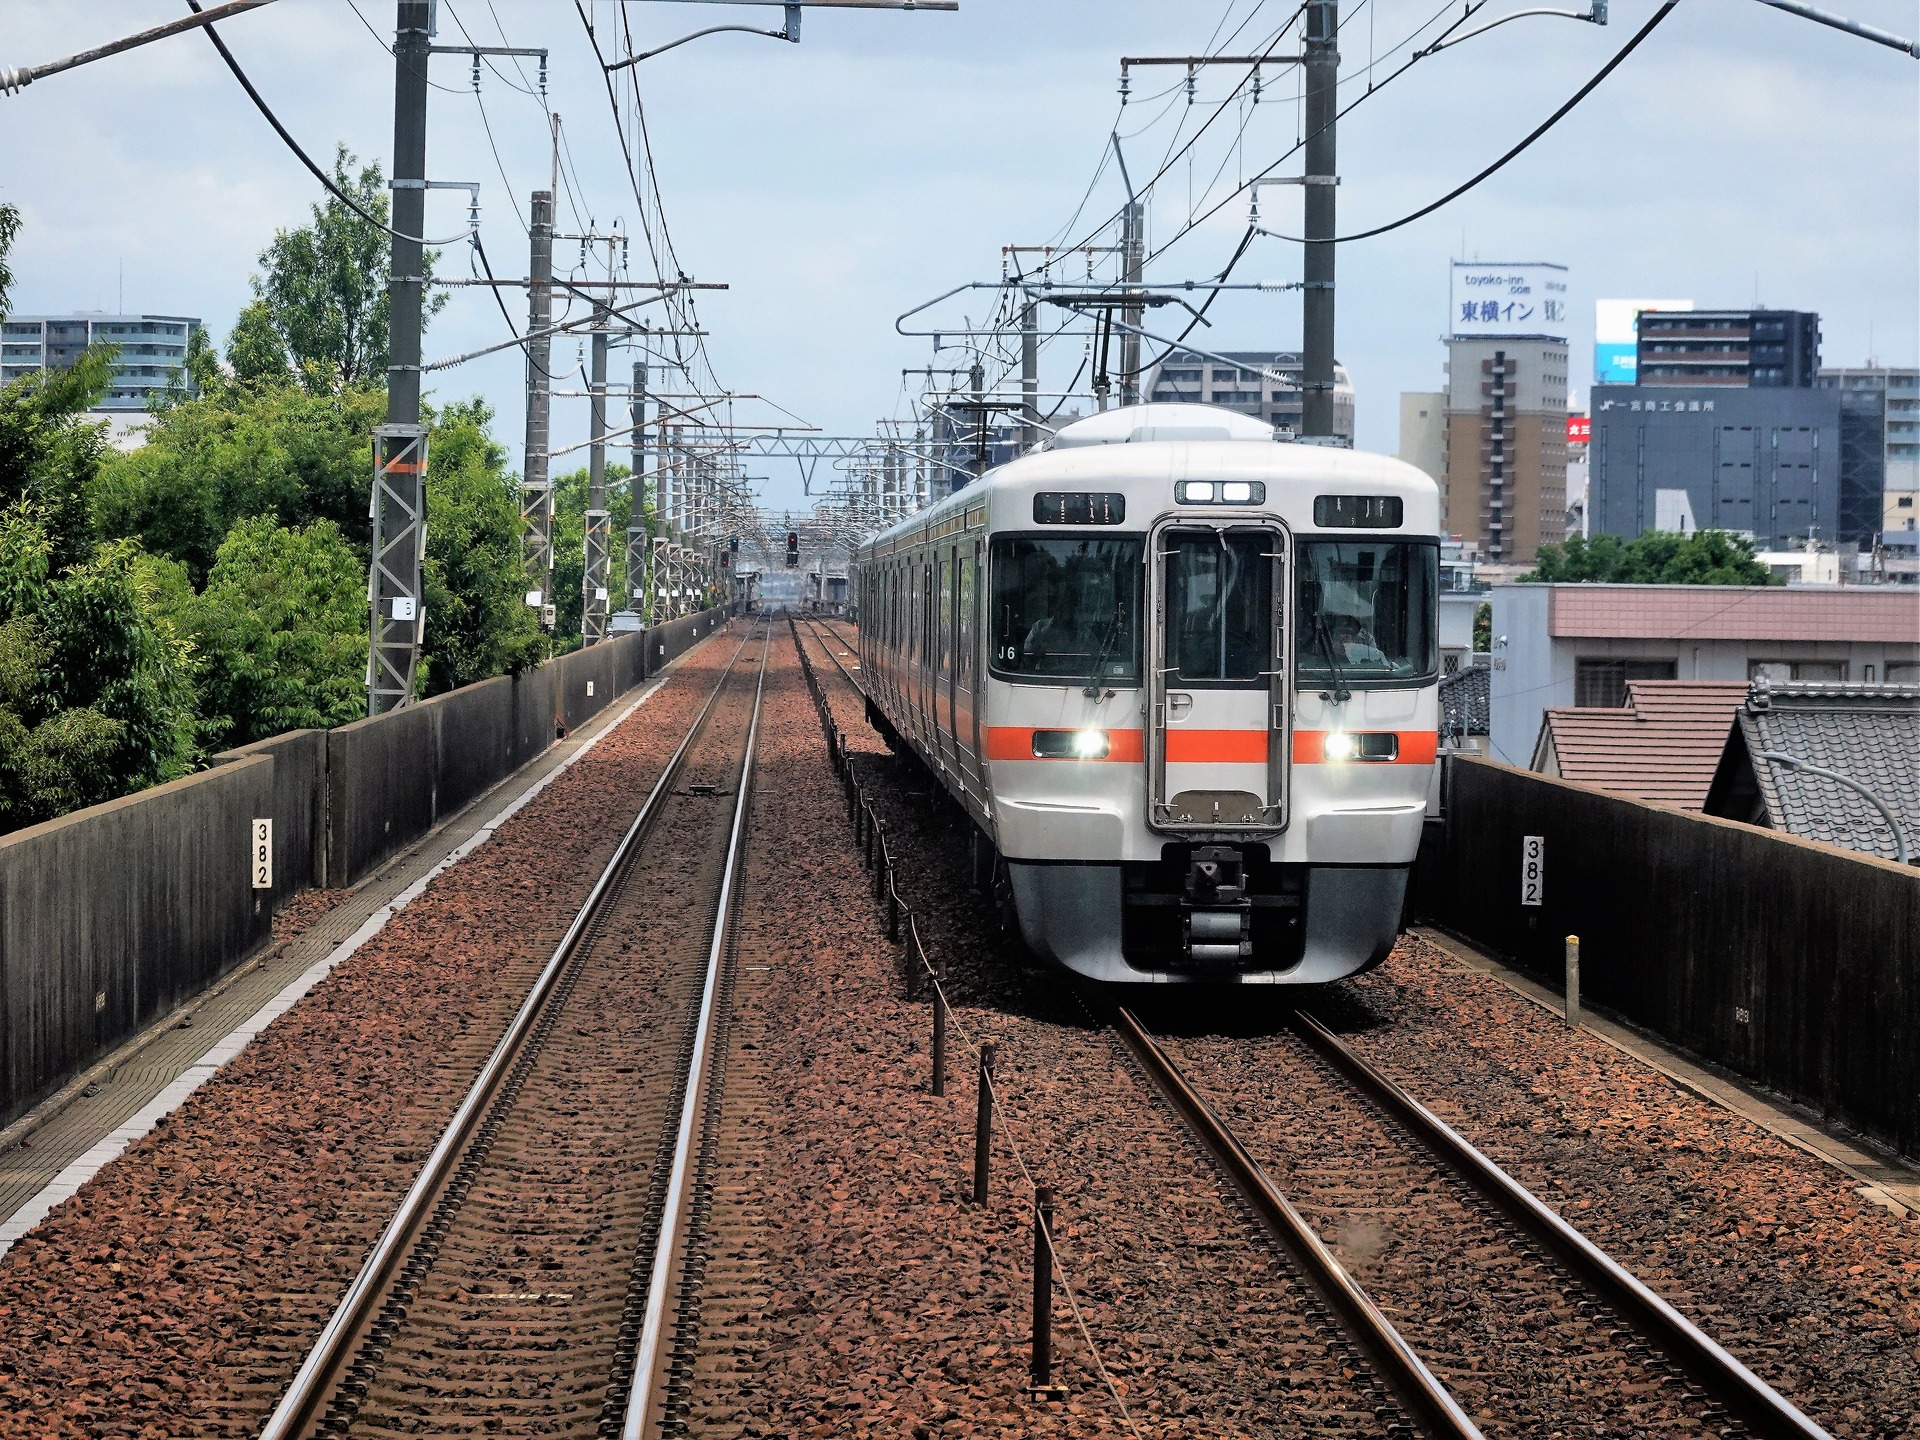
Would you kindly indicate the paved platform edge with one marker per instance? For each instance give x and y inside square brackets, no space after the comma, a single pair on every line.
[224,1047]
[1884,1180]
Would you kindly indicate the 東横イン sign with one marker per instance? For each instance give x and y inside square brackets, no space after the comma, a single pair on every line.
[1533,868]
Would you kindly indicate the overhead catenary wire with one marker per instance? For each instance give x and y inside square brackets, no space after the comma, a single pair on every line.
[305,159]
[1541,129]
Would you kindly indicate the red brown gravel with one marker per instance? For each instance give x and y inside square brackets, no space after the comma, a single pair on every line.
[918,1299]
[176,1292]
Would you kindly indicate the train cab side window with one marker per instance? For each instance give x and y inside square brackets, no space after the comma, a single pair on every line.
[1066,609]
[1364,612]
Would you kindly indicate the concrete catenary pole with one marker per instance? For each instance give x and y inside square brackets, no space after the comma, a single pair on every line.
[536,485]
[637,549]
[1322,54]
[1030,377]
[1133,251]
[593,577]
[397,618]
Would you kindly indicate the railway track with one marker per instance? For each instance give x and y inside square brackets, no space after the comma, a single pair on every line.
[535,1278]
[1634,1364]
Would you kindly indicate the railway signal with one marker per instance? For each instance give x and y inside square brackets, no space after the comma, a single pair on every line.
[793,549]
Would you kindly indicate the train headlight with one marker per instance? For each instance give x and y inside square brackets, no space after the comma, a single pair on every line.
[1070,745]
[1340,746]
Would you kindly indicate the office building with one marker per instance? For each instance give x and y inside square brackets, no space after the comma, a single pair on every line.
[1782,465]
[1894,393]
[153,349]
[1505,481]
[1248,385]
[1753,348]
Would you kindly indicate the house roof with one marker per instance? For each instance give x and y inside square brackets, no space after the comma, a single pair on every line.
[1869,733]
[1663,745]
[1466,700]
[1866,613]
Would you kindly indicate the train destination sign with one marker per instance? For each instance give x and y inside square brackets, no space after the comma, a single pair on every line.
[1079,507]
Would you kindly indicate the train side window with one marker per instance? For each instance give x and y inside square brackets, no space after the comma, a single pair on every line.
[966,620]
[946,618]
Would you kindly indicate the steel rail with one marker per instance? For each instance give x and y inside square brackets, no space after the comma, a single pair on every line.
[316,1380]
[1415,1386]
[1747,1397]
[817,625]
[644,1394]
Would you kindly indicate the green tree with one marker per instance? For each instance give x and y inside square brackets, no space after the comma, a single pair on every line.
[51,454]
[1706,557]
[281,630]
[570,547]
[256,352]
[237,452]
[478,622]
[9,227]
[96,689]
[325,287]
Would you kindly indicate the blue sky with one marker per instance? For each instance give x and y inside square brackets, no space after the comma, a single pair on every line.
[1741,154]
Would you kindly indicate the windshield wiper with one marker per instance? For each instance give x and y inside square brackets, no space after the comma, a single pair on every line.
[1341,694]
[1094,686]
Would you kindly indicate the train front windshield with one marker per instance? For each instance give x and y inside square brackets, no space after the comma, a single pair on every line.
[1365,612]
[1068,608]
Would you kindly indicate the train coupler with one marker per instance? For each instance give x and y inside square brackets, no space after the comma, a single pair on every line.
[1217,916]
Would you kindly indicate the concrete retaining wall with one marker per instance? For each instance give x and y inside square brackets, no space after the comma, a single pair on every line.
[298,811]
[112,916]
[1794,964]
[473,741]
[380,786]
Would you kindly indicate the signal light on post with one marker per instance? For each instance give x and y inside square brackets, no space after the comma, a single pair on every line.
[793,549]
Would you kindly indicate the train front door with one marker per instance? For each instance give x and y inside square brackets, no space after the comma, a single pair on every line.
[1217,704]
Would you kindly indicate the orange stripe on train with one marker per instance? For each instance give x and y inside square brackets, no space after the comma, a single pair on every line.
[1414,747]
[1217,747]
[1015,742]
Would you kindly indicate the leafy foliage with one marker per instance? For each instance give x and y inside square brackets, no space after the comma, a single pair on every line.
[96,690]
[324,292]
[1707,557]
[9,227]
[50,453]
[478,622]
[282,631]
[238,452]
[570,548]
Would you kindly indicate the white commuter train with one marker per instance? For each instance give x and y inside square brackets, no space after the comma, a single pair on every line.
[1184,679]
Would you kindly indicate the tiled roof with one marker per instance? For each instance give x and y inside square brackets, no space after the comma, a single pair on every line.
[1466,700]
[1663,745]
[1865,613]
[1869,733]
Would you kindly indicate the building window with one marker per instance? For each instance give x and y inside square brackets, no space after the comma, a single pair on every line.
[1602,684]
[1903,672]
[1780,672]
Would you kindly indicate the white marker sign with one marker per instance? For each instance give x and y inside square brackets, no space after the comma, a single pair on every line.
[260,854]
[1533,868]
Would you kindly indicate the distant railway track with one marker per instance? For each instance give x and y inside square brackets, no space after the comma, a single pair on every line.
[1680,1381]
[534,1278]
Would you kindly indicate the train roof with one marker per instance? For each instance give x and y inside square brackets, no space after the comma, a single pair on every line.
[1141,450]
